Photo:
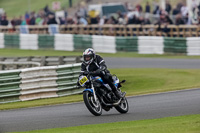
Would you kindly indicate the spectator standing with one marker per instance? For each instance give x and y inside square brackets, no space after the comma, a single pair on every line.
[176,11]
[154,5]
[32,20]
[184,10]
[199,9]
[27,16]
[147,10]
[195,16]
[194,5]
[168,7]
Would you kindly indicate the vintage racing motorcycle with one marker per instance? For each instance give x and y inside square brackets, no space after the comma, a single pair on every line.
[98,95]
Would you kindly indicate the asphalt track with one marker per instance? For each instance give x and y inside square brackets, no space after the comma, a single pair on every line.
[141,107]
[66,115]
[152,63]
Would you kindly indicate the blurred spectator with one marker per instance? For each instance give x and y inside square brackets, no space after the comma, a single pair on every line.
[47,10]
[4,21]
[147,21]
[184,10]
[112,20]
[81,20]
[139,8]
[13,21]
[198,20]
[133,16]
[19,20]
[61,20]
[199,9]
[69,20]
[187,19]
[128,6]
[102,21]
[195,15]
[179,20]
[82,11]
[176,11]
[157,10]
[147,8]
[52,19]
[194,5]
[168,20]
[23,22]
[168,7]
[27,16]
[32,19]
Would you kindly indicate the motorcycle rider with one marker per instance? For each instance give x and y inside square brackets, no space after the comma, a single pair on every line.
[95,65]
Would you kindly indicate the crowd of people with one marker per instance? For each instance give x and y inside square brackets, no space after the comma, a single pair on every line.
[151,14]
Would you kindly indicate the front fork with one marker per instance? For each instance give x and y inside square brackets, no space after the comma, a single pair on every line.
[94,93]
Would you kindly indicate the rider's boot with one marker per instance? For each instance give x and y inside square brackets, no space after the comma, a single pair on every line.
[117,93]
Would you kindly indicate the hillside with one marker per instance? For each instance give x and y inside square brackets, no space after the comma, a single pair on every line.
[15,8]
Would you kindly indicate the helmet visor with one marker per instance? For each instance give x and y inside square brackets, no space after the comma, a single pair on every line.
[87,57]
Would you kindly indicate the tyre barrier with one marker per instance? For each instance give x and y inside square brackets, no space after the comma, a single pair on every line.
[103,44]
[39,82]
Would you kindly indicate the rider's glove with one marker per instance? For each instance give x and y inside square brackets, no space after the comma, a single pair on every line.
[98,71]
[78,85]
[85,73]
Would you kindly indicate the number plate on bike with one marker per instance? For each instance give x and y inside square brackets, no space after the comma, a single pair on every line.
[83,80]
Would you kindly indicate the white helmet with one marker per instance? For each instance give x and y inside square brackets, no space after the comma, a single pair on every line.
[88,55]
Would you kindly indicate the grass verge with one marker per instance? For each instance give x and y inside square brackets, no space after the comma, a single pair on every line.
[180,124]
[139,81]
[16,8]
[18,52]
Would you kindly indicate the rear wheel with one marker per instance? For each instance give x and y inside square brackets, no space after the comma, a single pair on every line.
[94,107]
[123,106]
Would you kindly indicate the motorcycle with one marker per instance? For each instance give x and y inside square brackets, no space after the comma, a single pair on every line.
[98,95]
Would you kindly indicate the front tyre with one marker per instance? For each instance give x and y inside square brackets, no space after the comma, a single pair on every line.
[123,106]
[94,107]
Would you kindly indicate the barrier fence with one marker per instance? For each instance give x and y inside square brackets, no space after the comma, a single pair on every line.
[109,30]
[104,44]
[10,63]
[39,82]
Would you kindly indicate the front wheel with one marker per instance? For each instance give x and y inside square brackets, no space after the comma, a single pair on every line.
[94,107]
[123,106]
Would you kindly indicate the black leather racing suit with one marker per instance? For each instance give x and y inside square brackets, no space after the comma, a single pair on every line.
[98,68]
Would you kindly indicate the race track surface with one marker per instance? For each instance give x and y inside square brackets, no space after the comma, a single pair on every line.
[141,107]
[66,115]
[152,63]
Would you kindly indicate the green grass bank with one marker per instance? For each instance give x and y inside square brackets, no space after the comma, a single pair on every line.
[180,124]
[139,81]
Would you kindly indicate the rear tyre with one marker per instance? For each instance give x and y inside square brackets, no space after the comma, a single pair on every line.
[123,106]
[94,107]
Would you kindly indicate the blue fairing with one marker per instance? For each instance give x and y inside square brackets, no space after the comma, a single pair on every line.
[116,84]
[98,78]
[88,89]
